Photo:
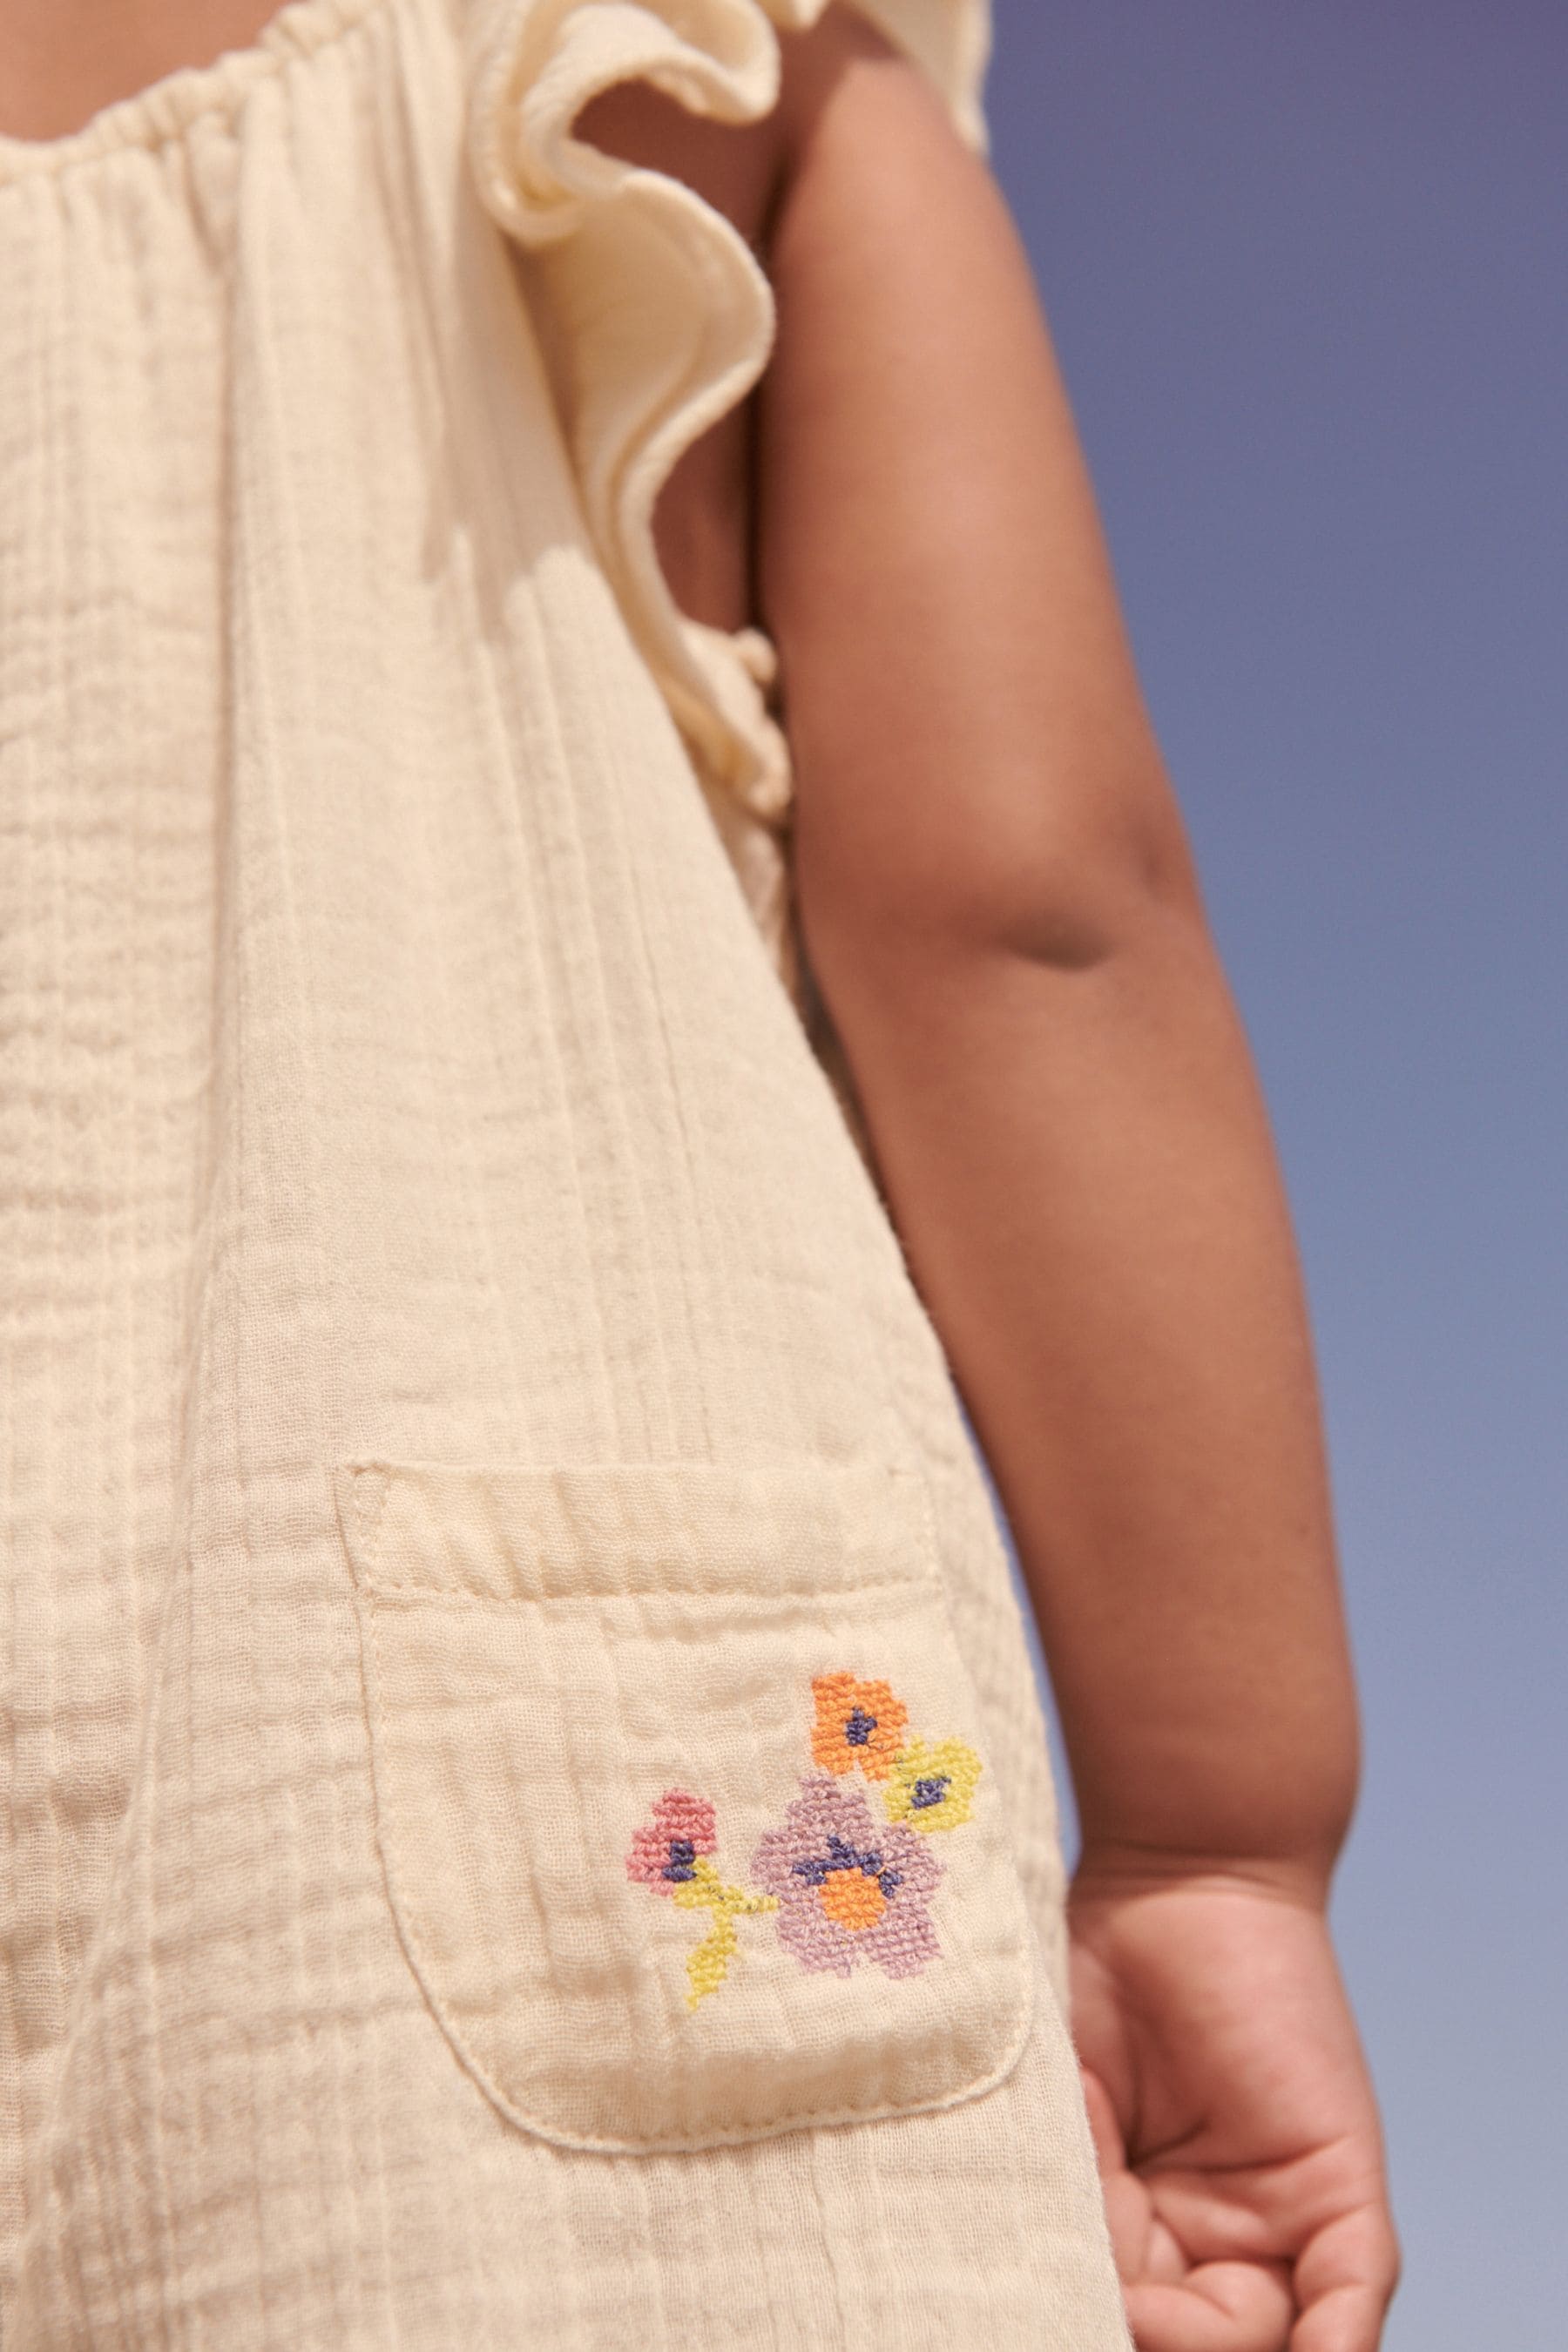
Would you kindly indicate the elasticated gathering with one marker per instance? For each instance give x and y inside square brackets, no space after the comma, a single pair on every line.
[167,108]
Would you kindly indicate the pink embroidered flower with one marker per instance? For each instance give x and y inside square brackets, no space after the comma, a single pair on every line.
[849,1889]
[665,1852]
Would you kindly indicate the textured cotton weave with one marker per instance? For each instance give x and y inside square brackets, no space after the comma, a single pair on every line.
[460,1391]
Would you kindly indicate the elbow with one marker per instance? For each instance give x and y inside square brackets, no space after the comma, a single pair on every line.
[1068,883]
[1089,892]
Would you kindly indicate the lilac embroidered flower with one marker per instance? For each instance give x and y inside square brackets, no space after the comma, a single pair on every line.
[847,1889]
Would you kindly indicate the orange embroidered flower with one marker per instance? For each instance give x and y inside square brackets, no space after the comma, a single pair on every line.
[858,1724]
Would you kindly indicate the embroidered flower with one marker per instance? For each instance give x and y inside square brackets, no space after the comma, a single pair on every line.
[932,1787]
[665,1852]
[858,1724]
[672,1854]
[847,1890]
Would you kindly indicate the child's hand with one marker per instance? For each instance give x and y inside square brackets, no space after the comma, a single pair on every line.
[1233,2117]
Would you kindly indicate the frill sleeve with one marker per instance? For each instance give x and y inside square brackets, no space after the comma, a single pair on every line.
[661,320]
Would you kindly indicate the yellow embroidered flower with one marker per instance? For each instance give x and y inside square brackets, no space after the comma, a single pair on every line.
[857,1724]
[932,1787]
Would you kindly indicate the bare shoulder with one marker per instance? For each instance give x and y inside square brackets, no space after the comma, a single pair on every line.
[63,61]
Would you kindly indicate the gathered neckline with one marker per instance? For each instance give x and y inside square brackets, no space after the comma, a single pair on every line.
[165,110]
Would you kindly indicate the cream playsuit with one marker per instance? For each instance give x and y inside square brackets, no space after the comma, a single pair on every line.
[526,1821]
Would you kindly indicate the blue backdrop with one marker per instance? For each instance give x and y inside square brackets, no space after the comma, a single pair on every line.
[1305,265]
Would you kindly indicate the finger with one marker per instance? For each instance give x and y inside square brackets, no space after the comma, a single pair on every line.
[1344,2282]
[1219,2220]
[1110,2147]
[1347,2319]
[1128,2217]
[1220,2307]
[1128,2212]
[1165,2256]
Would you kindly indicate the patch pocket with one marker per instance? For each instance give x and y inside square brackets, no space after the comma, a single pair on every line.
[685,1820]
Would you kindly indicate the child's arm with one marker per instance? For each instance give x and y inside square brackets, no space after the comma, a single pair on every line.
[999,906]
[1000,909]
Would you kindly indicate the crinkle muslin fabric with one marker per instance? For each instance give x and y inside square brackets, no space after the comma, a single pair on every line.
[465,1414]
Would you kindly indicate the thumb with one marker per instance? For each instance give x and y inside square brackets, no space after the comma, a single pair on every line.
[1109,2147]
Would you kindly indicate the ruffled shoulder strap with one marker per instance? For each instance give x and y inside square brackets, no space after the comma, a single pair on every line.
[661,319]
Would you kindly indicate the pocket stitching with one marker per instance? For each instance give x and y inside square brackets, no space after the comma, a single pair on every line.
[509,1602]
[406,1915]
